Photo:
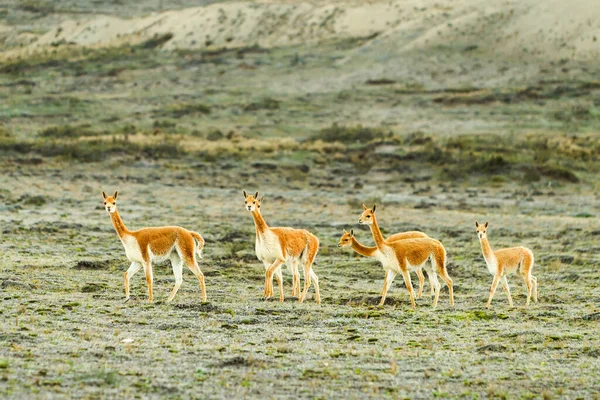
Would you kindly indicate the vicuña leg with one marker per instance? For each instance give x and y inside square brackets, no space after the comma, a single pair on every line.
[133,268]
[409,287]
[385,279]
[177,265]
[279,276]
[507,290]
[529,284]
[438,262]
[315,280]
[295,279]
[493,290]
[269,277]
[387,283]
[149,279]
[446,278]
[193,266]
[535,288]
[526,267]
[435,284]
[309,274]
[421,283]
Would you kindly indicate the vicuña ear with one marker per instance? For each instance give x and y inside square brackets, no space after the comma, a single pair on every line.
[365,207]
[486,224]
[476,224]
[256,195]
[345,231]
[104,195]
[261,199]
[351,232]
[374,207]
[245,194]
[115,196]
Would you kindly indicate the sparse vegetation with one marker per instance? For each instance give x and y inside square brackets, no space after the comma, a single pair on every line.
[36,6]
[351,134]
[68,131]
[179,110]
[266,103]
[443,138]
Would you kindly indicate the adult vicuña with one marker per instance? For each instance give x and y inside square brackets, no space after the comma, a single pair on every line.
[505,261]
[276,246]
[146,245]
[348,239]
[404,255]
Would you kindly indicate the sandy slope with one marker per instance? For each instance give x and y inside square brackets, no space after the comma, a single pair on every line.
[551,29]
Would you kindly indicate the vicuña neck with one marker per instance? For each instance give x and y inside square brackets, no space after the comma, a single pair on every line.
[363,250]
[379,241]
[259,222]
[488,254]
[118,224]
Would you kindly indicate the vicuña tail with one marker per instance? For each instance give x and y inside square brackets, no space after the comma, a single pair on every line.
[199,243]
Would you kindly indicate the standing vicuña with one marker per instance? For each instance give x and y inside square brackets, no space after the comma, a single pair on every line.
[144,246]
[404,255]
[505,261]
[348,239]
[276,246]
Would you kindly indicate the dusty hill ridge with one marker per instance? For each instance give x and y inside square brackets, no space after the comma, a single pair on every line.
[551,29]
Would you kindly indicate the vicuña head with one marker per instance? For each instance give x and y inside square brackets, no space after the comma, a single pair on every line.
[252,203]
[366,218]
[110,202]
[346,239]
[481,230]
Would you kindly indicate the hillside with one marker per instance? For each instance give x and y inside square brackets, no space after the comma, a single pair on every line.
[546,30]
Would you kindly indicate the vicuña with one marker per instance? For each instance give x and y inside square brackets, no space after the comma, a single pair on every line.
[504,261]
[276,246]
[348,239]
[148,245]
[403,256]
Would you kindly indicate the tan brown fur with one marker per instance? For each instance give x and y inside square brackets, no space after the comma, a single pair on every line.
[348,239]
[403,254]
[276,246]
[168,242]
[505,261]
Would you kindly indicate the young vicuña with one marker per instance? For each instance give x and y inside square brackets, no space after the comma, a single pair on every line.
[348,239]
[148,245]
[404,255]
[504,261]
[276,246]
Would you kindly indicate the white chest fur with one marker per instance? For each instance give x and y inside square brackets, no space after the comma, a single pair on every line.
[387,258]
[268,247]
[492,264]
[132,248]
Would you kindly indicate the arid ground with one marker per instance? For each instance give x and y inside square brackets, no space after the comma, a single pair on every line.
[440,117]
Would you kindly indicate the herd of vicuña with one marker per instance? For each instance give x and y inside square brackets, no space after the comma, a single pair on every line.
[400,253]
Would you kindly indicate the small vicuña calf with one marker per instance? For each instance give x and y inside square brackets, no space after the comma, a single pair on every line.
[146,245]
[504,261]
